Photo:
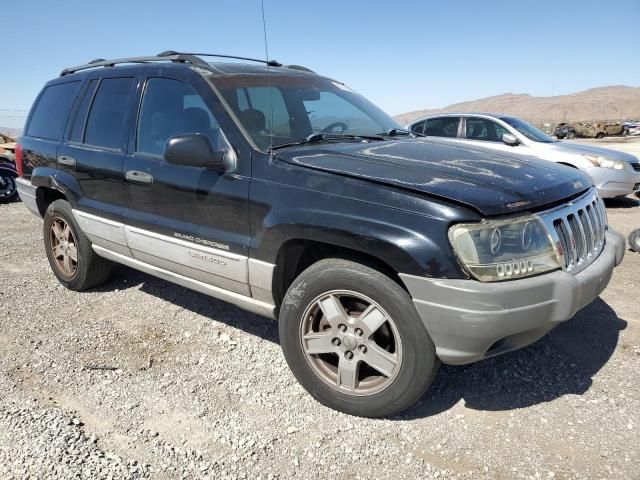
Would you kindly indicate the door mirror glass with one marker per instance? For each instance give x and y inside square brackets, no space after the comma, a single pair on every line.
[195,150]
[510,139]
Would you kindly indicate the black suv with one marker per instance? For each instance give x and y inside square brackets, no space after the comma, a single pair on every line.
[286,193]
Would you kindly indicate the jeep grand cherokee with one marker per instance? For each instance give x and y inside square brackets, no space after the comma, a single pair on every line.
[286,193]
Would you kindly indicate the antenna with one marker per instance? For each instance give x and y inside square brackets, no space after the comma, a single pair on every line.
[266,52]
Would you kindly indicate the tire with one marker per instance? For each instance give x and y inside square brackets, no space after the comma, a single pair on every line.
[400,336]
[571,135]
[600,135]
[8,187]
[88,270]
[634,240]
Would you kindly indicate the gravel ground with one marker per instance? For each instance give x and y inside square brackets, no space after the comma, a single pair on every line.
[144,379]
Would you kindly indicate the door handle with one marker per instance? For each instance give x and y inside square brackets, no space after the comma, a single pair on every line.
[137,176]
[65,160]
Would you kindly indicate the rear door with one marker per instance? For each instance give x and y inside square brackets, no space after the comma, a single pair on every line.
[188,220]
[92,153]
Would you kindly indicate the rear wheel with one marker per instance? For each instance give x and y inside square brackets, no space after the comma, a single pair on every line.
[354,341]
[8,190]
[571,135]
[69,251]
[600,135]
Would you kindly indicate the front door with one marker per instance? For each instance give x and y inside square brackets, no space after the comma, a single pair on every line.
[188,220]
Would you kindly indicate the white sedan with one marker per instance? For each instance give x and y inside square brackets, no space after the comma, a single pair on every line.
[614,173]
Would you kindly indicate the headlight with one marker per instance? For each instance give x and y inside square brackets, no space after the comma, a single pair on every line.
[606,162]
[495,250]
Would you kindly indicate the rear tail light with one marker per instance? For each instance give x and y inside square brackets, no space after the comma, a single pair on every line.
[19,159]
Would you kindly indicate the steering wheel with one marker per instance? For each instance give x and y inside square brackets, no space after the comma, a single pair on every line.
[329,128]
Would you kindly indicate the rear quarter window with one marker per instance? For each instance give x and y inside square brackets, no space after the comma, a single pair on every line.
[50,113]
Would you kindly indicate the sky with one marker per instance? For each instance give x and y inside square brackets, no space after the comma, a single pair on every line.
[403,56]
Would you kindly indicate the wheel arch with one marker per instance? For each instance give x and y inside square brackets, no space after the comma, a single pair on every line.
[297,254]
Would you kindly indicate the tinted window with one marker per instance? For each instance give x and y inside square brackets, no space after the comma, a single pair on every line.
[171,107]
[418,127]
[442,127]
[484,129]
[51,112]
[77,131]
[105,125]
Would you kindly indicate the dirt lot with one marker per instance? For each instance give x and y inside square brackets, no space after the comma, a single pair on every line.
[142,378]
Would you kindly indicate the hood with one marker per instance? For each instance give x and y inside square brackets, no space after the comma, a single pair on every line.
[582,149]
[489,182]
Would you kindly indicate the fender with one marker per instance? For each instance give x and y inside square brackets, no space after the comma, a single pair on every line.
[394,237]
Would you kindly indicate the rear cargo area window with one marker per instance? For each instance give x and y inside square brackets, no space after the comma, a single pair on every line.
[105,124]
[50,114]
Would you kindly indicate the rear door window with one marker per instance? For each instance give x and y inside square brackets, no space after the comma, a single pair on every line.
[52,110]
[442,127]
[106,120]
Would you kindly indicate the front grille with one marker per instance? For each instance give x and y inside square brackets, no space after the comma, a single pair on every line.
[636,166]
[578,231]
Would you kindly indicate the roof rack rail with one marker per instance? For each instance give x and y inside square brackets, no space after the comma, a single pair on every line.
[271,63]
[101,62]
[173,56]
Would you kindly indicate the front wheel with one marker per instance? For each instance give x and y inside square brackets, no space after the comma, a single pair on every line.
[8,189]
[571,135]
[354,340]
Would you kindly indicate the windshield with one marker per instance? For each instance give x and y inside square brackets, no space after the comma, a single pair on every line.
[529,131]
[279,109]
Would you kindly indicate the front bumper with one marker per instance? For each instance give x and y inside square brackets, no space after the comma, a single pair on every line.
[28,196]
[470,320]
[614,183]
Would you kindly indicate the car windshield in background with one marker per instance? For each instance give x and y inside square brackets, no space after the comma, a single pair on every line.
[529,131]
[280,109]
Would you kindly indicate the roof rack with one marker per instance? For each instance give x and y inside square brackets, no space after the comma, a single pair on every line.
[271,63]
[101,62]
[177,57]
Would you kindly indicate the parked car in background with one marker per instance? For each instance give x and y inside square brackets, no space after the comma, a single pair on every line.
[632,128]
[564,130]
[286,193]
[588,130]
[614,173]
[8,174]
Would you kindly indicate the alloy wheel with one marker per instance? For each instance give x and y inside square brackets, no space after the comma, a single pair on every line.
[350,342]
[63,247]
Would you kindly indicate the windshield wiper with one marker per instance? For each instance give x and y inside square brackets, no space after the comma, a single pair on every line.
[394,132]
[325,137]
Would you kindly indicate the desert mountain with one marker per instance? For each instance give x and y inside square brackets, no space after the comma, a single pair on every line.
[602,103]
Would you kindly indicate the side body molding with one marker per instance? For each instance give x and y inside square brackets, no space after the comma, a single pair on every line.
[228,276]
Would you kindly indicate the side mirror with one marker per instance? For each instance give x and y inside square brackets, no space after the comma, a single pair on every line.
[510,139]
[195,150]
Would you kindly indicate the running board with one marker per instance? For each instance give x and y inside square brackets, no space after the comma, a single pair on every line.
[242,301]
